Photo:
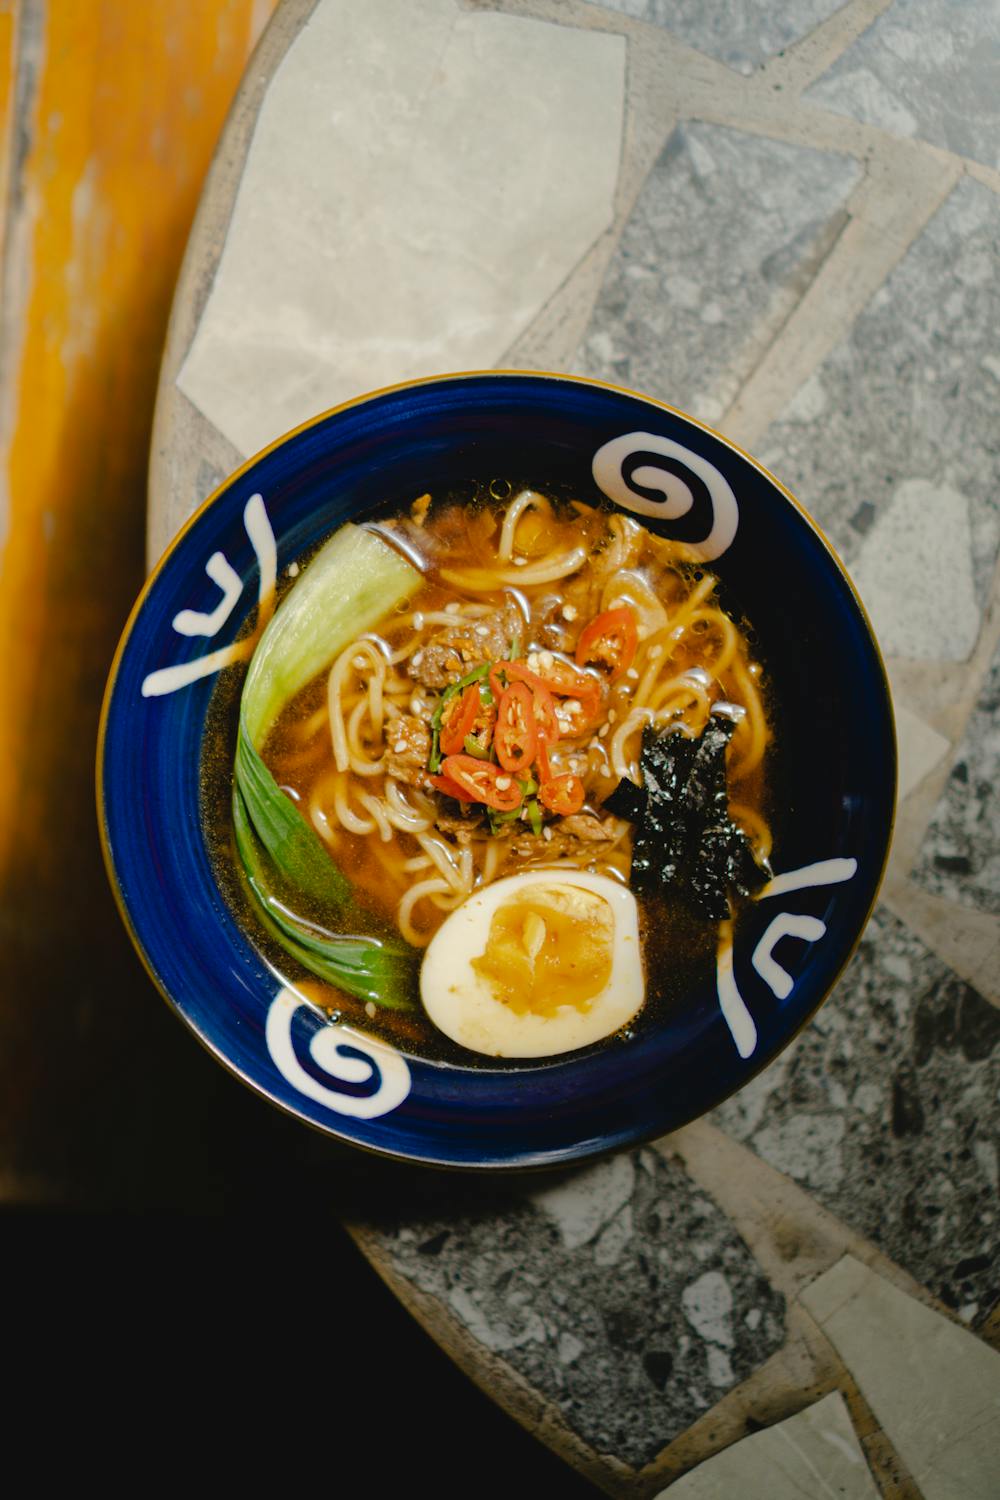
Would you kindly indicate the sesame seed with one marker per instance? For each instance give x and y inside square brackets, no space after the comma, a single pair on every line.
[606,771]
[452,608]
[547,833]
[418,621]
[482,630]
[503,782]
[632,673]
[569,611]
[417,658]
[399,747]
[370,1009]
[293,570]
[533,661]
[612,716]
[602,731]
[358,663]
[545,660]
[520,562]
[655,652]
[572,705]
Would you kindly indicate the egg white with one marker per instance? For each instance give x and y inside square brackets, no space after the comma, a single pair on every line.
[461,1003]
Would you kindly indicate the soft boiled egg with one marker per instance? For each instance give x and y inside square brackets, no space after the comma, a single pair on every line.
[543,962]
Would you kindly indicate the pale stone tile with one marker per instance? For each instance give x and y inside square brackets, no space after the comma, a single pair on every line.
[742,33]
[397,216]
[619,1291]
[928,68]
[725,232]
[960,855]
[920,747]
[934,1388]
[814,1455]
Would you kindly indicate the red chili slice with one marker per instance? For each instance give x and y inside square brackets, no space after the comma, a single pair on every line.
[574,716]
[481,781]
[544,709]
[451,788]
[610,641]
[515,733]
[562,794]
[458,718]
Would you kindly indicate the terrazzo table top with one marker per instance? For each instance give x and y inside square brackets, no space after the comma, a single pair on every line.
[786,221]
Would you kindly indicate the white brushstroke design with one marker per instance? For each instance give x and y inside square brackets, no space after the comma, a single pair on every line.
[731,1002]
[258,529]
[785,924]
[194,621]
[678,499]
[824,872]
[382,1063]
[169,679]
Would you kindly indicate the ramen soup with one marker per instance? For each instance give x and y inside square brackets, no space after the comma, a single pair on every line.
[520,768]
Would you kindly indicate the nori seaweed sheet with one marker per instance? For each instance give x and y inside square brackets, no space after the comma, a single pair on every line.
[685,841]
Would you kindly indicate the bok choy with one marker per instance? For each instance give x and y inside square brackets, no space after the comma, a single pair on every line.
[352,582]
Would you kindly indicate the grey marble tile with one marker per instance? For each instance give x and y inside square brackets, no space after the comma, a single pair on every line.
[887,1109]
[618,1290]
[742,33]
[960,856]
[898,429]
[927,68]
[726,230]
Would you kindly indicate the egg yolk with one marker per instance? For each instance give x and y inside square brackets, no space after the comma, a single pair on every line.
[548,948]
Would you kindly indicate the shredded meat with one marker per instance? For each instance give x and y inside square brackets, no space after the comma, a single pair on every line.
[585,826]
[408,745]
[455,650]
[461,828]
[535,846]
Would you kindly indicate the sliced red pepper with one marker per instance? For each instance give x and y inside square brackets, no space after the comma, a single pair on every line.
[515,734]
[544,710]
[542,761]
[481,781]
[609,641]
[577,714]
[451,788]
[562,794]
[458,718]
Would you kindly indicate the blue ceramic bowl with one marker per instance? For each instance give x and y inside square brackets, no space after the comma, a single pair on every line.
[835,757]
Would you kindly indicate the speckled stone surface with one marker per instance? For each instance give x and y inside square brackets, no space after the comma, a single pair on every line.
[960,857]
[618,1277]
[910,398]
[686,306]
[741,33]
[887,1110]
[928,68]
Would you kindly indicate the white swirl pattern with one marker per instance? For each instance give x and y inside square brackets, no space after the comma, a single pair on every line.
[382,1062]
[608,470]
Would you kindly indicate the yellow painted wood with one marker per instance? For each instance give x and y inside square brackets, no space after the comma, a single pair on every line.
[108,133]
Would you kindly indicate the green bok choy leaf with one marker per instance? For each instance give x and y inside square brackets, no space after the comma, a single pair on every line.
[352,582]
